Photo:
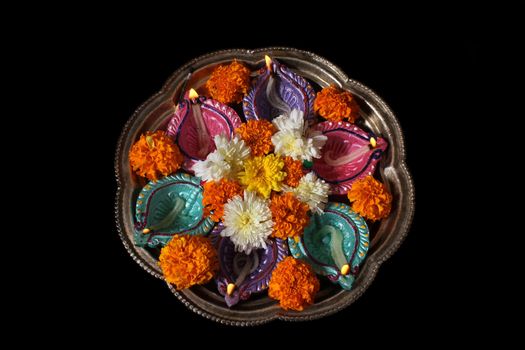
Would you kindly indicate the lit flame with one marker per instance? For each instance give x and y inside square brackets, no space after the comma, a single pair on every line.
[193,94]
[230,288]
[268,62]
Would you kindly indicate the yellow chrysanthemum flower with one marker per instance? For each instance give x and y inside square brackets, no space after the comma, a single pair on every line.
[263,174]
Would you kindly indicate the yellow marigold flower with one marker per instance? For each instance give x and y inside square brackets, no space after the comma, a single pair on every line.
[258,135]
[294,284]
[294,171]
[229,83]
[289,215]
[155,155]
[188,260]
[370,198]
[216,194]
[335,105]
[263,174]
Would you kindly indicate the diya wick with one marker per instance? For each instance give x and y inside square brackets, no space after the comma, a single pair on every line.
[271,94]
[203,134]
[251,263]
[350,157]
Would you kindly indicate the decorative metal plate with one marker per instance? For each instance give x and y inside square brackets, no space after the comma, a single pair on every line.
[385,237]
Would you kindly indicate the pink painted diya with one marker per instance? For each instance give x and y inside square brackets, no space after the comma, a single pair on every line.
[196,121]
[348,155]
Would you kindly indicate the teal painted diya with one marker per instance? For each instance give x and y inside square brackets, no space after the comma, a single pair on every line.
[169,206]
[335,243]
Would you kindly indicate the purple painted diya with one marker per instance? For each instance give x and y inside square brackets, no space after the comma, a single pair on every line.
[240,274]
[277,91]
[197,120]
[348,155]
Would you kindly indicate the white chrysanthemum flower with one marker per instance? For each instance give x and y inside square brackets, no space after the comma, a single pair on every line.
[213,168]
[234,152]
[225,162]
[312,191]
[248,222]
[289,143]
[292,121]
[294,139]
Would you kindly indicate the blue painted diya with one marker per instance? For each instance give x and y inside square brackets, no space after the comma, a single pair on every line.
[277,91]
[170,206]
[242,275]
[335,243]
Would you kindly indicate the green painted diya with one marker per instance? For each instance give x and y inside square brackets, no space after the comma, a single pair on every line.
[170,206]
[335,243]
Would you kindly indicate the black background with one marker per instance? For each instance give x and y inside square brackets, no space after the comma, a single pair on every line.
[429,79]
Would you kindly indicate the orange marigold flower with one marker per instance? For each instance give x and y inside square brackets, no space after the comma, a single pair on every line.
[335,105]
[216,194]
[155,155]
[229,83]
[289,216]
[370,198]
[258,135]
[188,260]
[294,284]
[294,171]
